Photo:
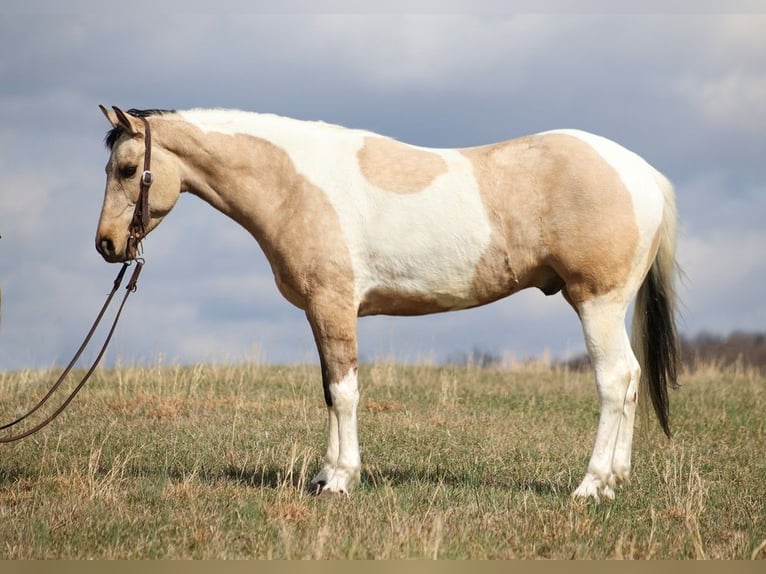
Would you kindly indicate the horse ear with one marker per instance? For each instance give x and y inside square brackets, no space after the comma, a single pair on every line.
[111,116]
[124,121]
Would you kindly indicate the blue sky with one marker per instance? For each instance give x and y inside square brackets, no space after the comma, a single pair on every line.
[685,90]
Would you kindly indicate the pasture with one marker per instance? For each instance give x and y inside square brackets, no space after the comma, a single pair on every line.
[458,462]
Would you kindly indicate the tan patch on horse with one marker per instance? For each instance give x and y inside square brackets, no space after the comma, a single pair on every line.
[382,301]
[397,167]
[562,218]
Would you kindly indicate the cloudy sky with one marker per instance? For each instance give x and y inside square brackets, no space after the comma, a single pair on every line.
[685,90]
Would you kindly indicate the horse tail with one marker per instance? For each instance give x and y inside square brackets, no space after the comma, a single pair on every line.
[654,335]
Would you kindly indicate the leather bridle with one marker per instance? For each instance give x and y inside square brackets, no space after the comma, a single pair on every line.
[136,231]
[141,216]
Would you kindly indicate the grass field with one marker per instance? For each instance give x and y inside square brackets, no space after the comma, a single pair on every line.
[459,462]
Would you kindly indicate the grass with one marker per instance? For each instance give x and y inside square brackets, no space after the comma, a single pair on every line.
[459,462]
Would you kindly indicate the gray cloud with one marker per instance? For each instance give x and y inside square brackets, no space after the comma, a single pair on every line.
[685,91]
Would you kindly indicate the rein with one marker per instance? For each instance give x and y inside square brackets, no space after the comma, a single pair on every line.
[130,288]
[137,231]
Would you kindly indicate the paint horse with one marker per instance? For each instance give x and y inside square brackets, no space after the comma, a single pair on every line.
[355,224]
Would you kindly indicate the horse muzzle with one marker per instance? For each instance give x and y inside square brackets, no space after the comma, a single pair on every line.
[113,253]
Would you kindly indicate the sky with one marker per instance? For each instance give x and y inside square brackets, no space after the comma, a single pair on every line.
[685,90]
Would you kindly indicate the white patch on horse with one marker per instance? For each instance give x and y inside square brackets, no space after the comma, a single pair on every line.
[428,242]
[342,462]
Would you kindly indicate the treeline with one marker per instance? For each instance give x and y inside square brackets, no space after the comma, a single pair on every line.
[749,349]
[746,349]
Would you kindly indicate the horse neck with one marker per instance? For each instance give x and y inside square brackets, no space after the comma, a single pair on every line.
[238,170]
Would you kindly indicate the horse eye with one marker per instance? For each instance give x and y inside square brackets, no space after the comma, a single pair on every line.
[128,171]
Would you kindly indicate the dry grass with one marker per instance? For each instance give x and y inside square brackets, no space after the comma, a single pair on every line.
[212,462]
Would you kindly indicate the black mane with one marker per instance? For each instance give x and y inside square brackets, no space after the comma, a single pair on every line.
[114,134]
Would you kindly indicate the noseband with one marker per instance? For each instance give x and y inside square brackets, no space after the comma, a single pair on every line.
[141,217]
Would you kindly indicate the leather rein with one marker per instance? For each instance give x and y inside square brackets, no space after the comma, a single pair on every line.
[136,231]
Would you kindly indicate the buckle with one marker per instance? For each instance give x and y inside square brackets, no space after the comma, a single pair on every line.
[147,178]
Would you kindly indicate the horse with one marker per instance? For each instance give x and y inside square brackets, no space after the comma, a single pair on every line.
[354,224]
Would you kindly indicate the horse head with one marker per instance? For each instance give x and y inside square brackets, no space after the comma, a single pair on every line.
[127,175]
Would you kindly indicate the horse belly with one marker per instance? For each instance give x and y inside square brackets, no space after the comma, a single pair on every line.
[419,253]
[401,288]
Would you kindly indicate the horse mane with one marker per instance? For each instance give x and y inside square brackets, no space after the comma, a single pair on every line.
[114,134]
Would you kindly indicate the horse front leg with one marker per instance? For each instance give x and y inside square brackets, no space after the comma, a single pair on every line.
[335,336]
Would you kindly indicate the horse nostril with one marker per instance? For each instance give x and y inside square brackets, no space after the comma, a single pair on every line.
[106,247]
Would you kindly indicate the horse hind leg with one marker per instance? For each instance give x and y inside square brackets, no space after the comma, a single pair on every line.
[617,373]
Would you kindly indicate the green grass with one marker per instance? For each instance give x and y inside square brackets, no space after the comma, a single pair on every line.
[212,462]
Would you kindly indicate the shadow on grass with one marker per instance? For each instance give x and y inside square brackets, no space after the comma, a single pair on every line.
[278,478]
[412,476]
[373,479]
[264,477]
[11,475]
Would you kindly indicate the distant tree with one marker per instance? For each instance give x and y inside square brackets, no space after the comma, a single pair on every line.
[475,357]
[747,348]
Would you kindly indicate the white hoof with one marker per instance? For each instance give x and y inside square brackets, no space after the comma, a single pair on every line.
[593,487]
[323,475]
[335,480]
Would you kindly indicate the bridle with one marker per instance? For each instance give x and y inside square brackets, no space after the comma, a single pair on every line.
[137,231]
[141,216]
